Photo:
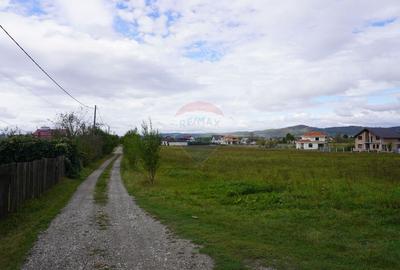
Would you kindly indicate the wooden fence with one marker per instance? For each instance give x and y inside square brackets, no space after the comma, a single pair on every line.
[27,180]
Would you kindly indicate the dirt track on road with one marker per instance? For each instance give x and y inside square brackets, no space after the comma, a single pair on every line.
[119,235]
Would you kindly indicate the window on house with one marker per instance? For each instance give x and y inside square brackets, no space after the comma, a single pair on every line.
[378,138]
[359,137]
[310,145]
[360,146]
[317,138]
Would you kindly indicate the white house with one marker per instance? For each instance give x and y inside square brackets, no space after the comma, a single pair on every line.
[217,139]
[314,140]
[244,141]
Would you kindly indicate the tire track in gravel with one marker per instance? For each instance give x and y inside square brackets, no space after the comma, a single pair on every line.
[119,235]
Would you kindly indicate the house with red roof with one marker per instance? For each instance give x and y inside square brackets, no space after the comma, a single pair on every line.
[43,133]
[48,133]
[314,140]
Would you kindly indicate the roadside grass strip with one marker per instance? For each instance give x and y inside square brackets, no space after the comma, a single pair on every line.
[19,230]
[100,192]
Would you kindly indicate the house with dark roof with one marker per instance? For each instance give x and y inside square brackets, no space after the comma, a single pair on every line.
[314,140]
[378,140]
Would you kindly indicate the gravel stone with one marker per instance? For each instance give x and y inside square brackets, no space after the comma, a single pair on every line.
[119,235]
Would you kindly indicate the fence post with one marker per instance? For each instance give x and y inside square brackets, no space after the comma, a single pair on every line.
[13,188]
[5,180]
[27,180]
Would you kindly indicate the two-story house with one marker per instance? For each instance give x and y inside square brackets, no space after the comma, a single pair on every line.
[314,140]
[217,139]
[378,140]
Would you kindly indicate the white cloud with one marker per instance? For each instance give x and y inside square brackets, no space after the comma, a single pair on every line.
[4,3]
[265,63]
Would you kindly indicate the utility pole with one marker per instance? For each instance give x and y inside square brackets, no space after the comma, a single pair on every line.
[94,118]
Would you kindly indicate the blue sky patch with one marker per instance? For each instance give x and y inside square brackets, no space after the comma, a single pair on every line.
[154,13]
[150,2]
[172,17]
[374,23]
[381,23]
[121,5]
[383,97]
[203,51]
[128,29]
[29,7]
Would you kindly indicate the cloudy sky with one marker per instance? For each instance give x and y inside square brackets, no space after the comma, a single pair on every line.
[263,64]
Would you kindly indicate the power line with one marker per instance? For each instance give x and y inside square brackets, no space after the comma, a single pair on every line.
[47,74]
[10,125]
[102,123]
[5,122]
[101,119]
[106,126]
[8,77]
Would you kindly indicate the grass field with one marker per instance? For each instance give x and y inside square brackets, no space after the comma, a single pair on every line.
[100,195]
[285,209]
[19,230]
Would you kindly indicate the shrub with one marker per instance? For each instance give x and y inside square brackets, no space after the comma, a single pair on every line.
[77,150]
[149,147]
[28,148]
[131,144]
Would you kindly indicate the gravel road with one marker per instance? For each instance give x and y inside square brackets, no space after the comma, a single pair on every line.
[119,235]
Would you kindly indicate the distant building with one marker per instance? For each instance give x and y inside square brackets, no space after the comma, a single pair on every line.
[314,140]
[43,133]
[183,140]
[48,133]
[225,139]
[244,141]
[229,139]
[217,139]
[165,140]
[378,140]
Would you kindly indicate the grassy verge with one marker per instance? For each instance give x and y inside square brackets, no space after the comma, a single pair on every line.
[19,230]
[100,191]
[282,209]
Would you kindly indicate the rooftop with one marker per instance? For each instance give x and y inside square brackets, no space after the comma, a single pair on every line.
[314,134]
[390,133]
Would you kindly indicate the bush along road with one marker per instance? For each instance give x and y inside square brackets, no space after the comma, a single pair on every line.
[112,234]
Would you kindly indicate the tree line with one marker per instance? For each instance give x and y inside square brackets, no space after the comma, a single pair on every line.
[72,136]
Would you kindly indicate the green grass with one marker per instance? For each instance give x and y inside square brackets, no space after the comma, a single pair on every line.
[100,191]
[19,230]
[283,209]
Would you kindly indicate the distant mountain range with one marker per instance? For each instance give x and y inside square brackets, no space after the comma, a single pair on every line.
[301,129]
[281,132]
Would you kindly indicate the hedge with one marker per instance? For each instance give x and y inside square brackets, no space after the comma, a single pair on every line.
[78,151]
